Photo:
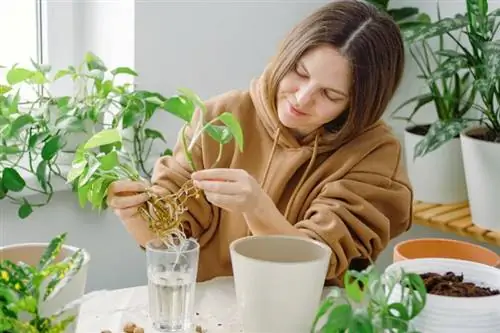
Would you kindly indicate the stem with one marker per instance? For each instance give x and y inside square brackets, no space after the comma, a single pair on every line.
[187,153]
[219,155]
[199,133]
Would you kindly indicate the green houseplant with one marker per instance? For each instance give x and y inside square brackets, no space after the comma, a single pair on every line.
[479,56]
[104,159]
[405,17]
[39,133]
[24,288]
[433,149]
[364,306]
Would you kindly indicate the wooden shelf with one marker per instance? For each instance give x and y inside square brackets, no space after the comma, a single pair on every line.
[452,218]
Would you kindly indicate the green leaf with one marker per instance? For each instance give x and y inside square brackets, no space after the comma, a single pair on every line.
[60,279]
[360,323]
[418,294]
[131,116]
[12,180]
[104,137]
[449,67]
[221,134]
[234,127]
[41,174]
[27,303]
[17,75]
[352,286]
[339,318]
[439,133]
[438,28]
[19,123]
[89,172]
[109,161]
[193,97]
[52,147]
[4,89]
[123,70]
[62,73]
[25,210]
[153,134]
[180,107]
[69,123]
[82,194]
[167,152]
[94,62]
[9,150]
[400,14]
[323,309]
[52,251]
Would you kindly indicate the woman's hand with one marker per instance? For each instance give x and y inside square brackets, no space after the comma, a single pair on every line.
[232,189]
[125,197]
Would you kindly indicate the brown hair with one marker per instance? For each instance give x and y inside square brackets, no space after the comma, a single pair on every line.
[369,38]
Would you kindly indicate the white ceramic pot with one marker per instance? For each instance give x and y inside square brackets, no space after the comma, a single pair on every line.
[31,253]
[279,282]
[437,177]
[482,169]
[444,314]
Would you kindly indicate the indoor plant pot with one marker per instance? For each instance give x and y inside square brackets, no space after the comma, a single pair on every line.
[444,248]
[445,314]
[71,290]
[481,160]
[438,176]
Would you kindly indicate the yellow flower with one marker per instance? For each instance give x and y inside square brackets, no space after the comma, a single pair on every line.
[17,286]
[4,275]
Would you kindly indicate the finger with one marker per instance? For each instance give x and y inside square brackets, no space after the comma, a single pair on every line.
[221,174]
[121,202]
[126,213]
[126,186]
[221,187]
[224,200]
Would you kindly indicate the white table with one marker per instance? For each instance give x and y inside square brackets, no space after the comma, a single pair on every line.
[215,308]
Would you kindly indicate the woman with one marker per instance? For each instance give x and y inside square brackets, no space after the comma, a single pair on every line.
[318,162]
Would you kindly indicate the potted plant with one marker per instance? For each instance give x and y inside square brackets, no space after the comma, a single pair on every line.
[433,150]
[365,304]
[462,296]
[104,159]
[405,17]
[40,286]
[40,132]
[480,140]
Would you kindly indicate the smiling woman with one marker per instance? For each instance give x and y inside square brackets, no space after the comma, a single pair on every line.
[320,164]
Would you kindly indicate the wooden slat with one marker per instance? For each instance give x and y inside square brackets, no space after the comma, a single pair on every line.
[454,218]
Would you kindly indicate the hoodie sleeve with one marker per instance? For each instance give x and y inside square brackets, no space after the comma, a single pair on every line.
[358,215]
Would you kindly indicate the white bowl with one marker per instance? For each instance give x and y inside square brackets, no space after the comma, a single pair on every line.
[30,253]
[443,314]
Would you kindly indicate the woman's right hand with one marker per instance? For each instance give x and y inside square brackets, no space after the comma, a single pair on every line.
[125,197]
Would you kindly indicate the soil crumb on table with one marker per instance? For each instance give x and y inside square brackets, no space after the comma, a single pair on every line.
[451,284]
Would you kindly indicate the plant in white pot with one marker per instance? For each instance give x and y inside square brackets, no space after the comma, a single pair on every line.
[480,57]
[41,286]
[365,304]
[433,150]
[462,296]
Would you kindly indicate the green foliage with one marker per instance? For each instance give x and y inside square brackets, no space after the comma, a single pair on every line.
[35,132]
[104,158]
[478,57]
[364,305]
[405,17]
[24,288]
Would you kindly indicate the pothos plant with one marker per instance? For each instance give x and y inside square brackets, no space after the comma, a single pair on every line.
[104,159]
[24,288]
[366,306]
[37,128]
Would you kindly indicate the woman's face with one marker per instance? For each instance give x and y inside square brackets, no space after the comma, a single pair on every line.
[315,92]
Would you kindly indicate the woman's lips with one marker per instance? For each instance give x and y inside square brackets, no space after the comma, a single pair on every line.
[295,112]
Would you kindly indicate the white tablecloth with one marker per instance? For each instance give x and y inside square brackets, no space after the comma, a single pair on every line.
[215,309]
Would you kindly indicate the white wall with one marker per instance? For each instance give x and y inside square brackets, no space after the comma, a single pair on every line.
[208,46]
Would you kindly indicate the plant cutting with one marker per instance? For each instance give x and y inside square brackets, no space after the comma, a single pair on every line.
[24,288]
[104,159]
[366,304]
[480,139]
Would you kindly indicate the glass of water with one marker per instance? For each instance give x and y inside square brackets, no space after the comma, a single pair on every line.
[172,272]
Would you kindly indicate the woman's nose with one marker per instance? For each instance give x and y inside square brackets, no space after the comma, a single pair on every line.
[304,94]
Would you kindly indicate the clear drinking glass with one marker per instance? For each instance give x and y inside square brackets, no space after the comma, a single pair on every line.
[172,275]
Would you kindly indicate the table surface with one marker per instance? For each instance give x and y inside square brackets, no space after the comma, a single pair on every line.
[215,309]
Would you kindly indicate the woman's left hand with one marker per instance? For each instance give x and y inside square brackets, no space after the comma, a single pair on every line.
[231,189]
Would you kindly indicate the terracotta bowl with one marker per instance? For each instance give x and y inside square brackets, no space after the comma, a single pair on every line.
[444,248]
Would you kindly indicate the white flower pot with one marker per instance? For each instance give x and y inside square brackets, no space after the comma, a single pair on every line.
[445,314]
[437,177]
[482,169]
[31,253]
[279,282]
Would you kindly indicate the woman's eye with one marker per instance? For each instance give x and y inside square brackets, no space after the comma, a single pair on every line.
[330,97]
[300,71]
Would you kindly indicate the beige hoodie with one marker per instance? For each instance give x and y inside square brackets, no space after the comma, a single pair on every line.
[354,196]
